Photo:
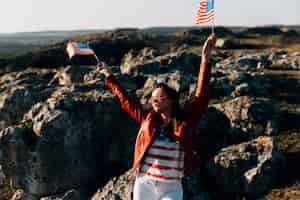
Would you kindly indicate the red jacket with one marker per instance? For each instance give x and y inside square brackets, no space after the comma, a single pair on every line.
[149,120]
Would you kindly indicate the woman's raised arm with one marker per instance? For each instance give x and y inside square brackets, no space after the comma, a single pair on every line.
[129,104]
[198,104]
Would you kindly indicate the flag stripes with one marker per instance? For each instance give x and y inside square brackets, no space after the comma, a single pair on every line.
[205,12]
[76,48]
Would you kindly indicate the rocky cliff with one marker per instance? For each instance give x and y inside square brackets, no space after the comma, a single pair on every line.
[64,136]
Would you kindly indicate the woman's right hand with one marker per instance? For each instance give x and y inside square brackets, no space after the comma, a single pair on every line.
[103,70]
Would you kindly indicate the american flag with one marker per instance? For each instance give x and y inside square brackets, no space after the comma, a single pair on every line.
[205,12]
[77,48]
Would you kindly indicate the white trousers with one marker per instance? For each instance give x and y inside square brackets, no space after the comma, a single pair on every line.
[146,188]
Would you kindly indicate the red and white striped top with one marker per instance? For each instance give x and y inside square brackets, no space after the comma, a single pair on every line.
[164,160]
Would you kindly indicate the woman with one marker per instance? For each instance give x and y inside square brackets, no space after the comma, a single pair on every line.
[165,142]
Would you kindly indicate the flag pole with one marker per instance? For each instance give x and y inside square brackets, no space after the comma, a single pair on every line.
[96,57]
[213,28]
[100,64]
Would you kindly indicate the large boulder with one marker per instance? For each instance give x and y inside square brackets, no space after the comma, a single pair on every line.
[246,170]
[69,140]
[213,133]
[254,61]
[283,60]
[73,74]
[221,83]
[246,61]
[19,91]
[253,84]
[233,83]
[118,188]
[253,116]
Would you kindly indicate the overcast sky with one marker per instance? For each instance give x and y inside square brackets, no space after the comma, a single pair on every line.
[40,15]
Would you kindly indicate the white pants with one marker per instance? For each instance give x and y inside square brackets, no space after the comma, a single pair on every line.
[146,188]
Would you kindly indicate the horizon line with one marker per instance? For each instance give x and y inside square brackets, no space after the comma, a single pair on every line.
[141,28]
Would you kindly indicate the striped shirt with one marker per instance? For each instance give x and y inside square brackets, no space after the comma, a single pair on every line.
[165,158]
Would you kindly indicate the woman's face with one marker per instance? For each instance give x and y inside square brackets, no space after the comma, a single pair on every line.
[160,101]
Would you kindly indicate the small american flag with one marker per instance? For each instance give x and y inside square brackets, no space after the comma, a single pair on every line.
[205,12]
[77,48]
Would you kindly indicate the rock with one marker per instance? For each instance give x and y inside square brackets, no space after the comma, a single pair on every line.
[248,62]
[6,192]
[220,31]
[284,61]
[295,64]
[254,116]
[226,63]
[21,195]
[95,77]
[294,54]
[13,103]
[193,188]
[279,52]
[269,31]
[242,89]
[58,130]
[2,176]
[19,91]
[220,83]
[73,74]
[137,65]
[210,138]
[176,80]
[289,32]
[65,137]
[252,85]
[228,82]
[69,195]
[234,82]
[246,169]
[18,195]
[225,43]
[110,45]
[118,188]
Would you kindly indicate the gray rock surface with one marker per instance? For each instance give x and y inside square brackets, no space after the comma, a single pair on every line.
[71,132]
[67,135]
[246,169]
[118,188]
[18,92]
[227,43]
[73,74]
[69,195]
[142,65]
[254,116]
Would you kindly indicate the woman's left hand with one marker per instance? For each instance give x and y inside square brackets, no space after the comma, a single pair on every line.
[208,47]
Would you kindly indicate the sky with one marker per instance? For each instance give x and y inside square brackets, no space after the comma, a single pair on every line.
[43,15]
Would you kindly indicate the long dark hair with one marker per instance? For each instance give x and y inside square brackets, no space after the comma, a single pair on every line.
[174,95]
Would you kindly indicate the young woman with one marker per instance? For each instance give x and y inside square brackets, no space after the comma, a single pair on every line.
[165,142]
